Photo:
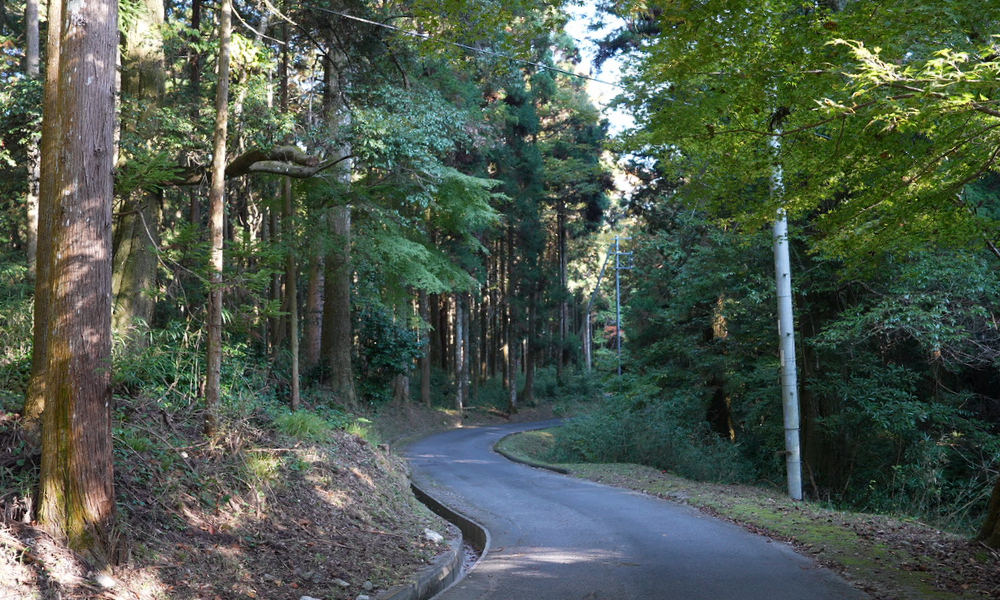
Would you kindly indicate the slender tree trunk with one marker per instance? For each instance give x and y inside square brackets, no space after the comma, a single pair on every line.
[511,368]
[441,327]
[313,329]
[288,231]
[530,355]
[76,487]
[564,326]
[425,358]
[292,293]
[461,357]
[275,331]
[217,206]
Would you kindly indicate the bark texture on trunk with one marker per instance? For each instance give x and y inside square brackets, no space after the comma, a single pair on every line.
[217,206]
[76,488]
[34,403]
[137,225]
[338,340]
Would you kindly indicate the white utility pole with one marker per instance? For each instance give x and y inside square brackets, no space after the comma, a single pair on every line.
[786,333]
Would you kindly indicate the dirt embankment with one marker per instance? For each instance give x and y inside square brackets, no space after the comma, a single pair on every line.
[252,514]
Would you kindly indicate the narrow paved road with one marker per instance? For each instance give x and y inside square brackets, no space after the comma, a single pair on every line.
[555,537]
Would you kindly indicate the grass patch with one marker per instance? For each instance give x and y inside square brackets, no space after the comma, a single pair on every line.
[303,425]
[530,446]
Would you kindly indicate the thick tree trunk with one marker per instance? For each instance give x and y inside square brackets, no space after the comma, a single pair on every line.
[338,339]
[337,335]
[990,532]
[135,242]
[34,402]
[401,389]
[217,205]
[76,487]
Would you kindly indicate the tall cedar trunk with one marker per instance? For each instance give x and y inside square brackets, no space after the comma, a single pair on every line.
[531,352]
[137,226]
[466,342]
[217,210]
[442,329]
[474,330]
[510,333]
[34,402]
[76,487]
[337,336]
[338,340]
[425,357]
[31,33]
[288,234]
[510,368]
[194,85]
[499,312]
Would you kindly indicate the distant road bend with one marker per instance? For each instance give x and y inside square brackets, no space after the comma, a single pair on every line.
[559,538]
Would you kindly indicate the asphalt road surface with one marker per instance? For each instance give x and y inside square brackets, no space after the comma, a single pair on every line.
[554,537]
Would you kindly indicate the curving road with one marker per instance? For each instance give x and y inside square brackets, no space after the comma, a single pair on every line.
[554,537]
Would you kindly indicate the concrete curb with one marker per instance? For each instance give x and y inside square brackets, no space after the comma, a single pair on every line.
[447,569]
[530,463]
[431,580]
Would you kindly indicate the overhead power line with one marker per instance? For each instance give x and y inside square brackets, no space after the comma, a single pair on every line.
[428,37]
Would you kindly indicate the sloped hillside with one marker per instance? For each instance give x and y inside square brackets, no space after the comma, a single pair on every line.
[304,509]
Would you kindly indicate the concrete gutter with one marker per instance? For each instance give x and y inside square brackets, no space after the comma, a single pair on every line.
[447,568]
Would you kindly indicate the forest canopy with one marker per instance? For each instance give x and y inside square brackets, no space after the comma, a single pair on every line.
[337,205]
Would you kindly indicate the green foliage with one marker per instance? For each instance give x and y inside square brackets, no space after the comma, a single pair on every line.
[388,347]
[882,123]
[645,426]
[362,428]
[304,425]
[20,119]
[16,310]
[875,145]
